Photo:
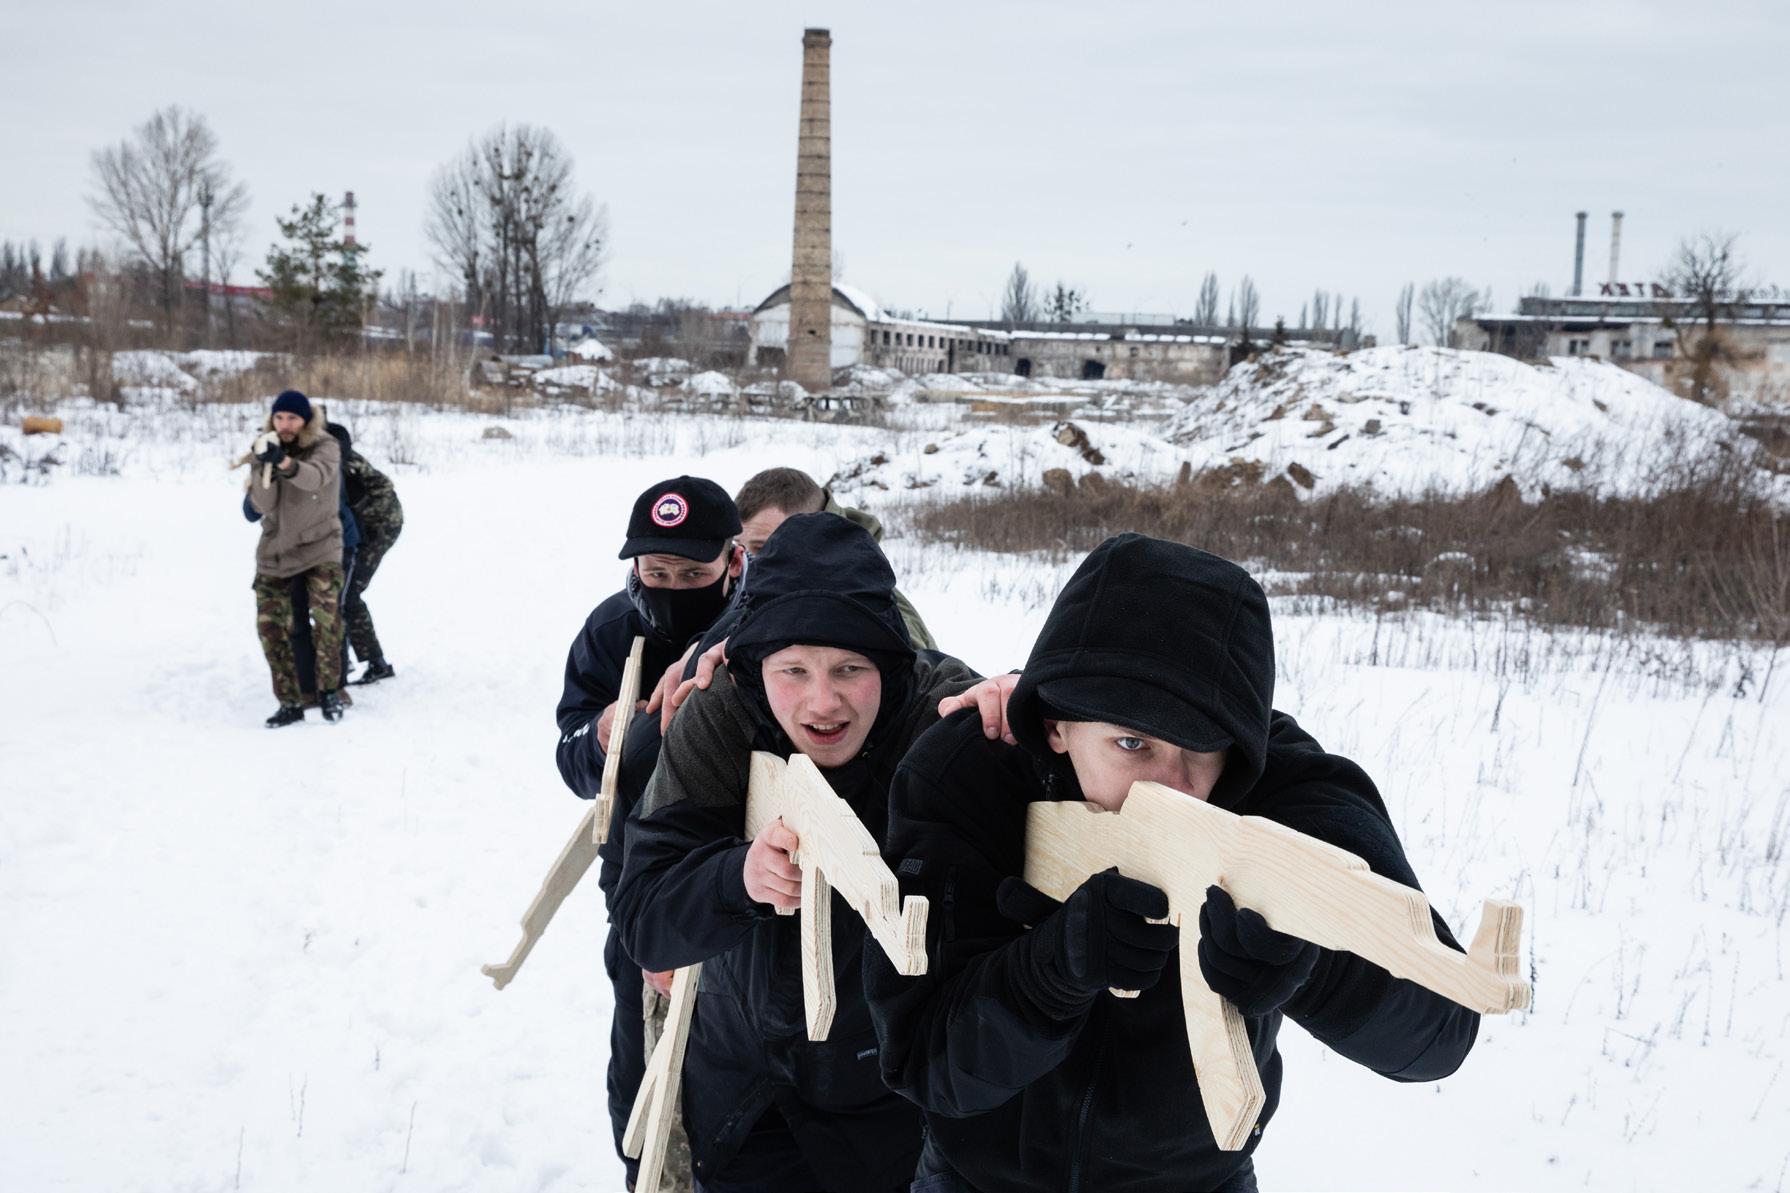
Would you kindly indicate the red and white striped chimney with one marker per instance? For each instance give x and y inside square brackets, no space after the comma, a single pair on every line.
[348,219]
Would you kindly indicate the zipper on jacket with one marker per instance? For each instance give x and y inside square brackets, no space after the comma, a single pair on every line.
[1087,1105]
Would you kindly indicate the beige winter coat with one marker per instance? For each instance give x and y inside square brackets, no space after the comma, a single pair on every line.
[301,521]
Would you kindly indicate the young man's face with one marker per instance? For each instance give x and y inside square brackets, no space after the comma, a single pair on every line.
[760,526]
[674,571]
[1108,759]
[825,699]
[287,426]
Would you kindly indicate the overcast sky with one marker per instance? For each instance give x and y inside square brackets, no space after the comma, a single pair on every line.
[1124,147]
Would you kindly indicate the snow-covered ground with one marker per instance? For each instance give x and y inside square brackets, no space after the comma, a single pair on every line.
[235,959]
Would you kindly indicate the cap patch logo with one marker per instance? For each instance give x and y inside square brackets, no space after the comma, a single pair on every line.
[670,510]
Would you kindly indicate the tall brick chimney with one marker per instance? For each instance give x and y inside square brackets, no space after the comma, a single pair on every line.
[1578,261]
[811,273]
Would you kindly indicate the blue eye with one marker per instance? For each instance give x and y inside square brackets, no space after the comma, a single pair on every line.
[1130,745]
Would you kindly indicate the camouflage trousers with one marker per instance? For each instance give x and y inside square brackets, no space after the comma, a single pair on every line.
[273,621]
[677,1177]
[360,618]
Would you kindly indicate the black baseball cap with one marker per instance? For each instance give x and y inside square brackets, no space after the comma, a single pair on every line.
[686,516]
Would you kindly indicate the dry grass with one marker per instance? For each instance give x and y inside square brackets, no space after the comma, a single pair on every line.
[1709,556]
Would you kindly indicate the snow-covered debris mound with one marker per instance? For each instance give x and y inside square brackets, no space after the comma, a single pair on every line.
[934,387]
[591,348]
[711,385]
[663,370]
[1059,456]
[586,378]
[151,370]
[145,375]
[865,379]
[1404,421]
[217,362]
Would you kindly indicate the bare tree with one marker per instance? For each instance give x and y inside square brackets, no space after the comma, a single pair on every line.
[226,255]
[455,226]
[1442,303]
[1402,312]
[1205,311]
[1249,302]
[147,189]
[1019,301]
[1320,309]
[1706,272]
[838,266]
[506,220]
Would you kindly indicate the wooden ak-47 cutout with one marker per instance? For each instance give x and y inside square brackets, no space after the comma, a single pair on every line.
[836,853]
[1300,885]
[648,1133]
[574,860]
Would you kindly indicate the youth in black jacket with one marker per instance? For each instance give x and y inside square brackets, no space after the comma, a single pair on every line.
[762,1103]
[685,564]
[1025,1088]
[594,679]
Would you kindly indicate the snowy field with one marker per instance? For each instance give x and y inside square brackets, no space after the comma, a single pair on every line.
[233,959]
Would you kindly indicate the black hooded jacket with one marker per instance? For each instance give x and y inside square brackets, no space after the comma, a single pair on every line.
[1018,1098]
[595,663]
[593,680]
[682,898]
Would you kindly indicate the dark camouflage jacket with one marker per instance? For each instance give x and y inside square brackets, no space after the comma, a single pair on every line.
[372,498]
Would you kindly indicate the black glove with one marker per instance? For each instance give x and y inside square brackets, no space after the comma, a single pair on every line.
[1099,937]
[274,453]
[1247,962]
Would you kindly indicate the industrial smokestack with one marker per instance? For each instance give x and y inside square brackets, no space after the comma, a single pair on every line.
[348,219]
[1615,246]
[811,273]
[1578,260]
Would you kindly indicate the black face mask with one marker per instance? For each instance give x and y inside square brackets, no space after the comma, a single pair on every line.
[678,614]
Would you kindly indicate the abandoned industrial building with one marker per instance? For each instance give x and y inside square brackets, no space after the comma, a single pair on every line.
[1645,328]
[864,333]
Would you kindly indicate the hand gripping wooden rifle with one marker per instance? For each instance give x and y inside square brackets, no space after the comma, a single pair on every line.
[579,852]
[1300,885]
[836,853]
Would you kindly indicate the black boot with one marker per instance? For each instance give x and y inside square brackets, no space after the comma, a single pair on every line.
[331,704]
[289,714]
[377,670]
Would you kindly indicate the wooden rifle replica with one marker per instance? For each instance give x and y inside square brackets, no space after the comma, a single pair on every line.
[574,860]
[836,853]
[1300,885]
[261,444]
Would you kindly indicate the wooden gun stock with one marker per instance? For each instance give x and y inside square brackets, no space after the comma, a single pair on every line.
[836,853]
[576,856]
[1300,885]
[648,1132]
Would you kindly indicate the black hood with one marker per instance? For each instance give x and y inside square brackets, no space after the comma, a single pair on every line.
[821,581]
[1162,638]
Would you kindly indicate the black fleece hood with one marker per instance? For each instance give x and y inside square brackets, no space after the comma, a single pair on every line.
[1162,638]
[821,581]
